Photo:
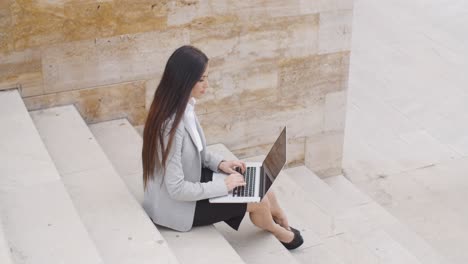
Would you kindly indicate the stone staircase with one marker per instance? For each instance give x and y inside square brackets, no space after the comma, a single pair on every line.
[5,256]
[115,221]
[40,222]
[121,142]
[71,193]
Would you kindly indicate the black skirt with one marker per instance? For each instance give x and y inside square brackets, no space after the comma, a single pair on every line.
[207,213]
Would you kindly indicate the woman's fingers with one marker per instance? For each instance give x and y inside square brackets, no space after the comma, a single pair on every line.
[230,166]
[244,167]
[240,183]
[234,180]
[241,164]
[231,170]
[239,177]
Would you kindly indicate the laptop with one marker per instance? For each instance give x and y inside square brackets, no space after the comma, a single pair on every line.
[259,176]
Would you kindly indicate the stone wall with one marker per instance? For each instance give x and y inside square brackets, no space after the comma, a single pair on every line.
[273,63]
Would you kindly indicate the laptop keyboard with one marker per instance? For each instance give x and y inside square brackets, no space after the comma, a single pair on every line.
[249,189]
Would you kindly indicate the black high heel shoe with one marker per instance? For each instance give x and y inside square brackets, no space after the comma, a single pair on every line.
[296,242]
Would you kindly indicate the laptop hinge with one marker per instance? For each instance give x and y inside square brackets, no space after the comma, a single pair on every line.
[262,183]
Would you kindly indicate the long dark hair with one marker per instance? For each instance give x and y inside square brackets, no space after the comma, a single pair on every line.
[183,70]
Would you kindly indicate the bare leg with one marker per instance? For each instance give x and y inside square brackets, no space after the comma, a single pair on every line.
[277,213]
[260,215]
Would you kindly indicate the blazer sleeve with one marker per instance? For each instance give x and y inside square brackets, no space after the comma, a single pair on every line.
[212,160]
[180,189]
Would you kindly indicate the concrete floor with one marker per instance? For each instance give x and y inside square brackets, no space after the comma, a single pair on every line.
[406,139]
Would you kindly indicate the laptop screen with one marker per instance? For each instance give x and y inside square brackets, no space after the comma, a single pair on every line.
[275,160]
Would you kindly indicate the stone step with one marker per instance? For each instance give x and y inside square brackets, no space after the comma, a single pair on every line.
[346,190]
[122,144]
[322,195]
[374,212]
[315,225]
[39,220]
[324,241]
[116,222]
[358,230]
[323,224]
[5,256]
[253,244]
[312,221]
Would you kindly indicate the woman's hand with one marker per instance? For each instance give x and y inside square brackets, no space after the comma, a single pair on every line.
[234,180]
[229,166]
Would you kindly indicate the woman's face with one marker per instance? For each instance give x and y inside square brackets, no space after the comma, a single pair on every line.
[200,88]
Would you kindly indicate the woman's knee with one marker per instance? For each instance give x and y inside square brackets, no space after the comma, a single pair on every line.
[263,205]
[271,195]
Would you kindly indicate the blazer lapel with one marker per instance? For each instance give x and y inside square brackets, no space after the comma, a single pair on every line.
[192,135]
[200,132]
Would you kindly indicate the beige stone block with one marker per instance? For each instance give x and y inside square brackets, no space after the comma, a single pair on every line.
[24,56]
[211,105]
[99,103]
[294,151]
[262,44]
[41,23]
[106,61]
[136,115]
[88,19]
[217,36]
[5,17]
[308,121]
[232,42]
[30,25]
[298,79]
[257,115]
[258,102]
[9,86]
[29,84]
[318,6]
[260,78]
[303,39]
[252,10]
[22,70]
[243,127]
[234,84]
[217,48]
[304,80]
[334,67]
[9,70]
[239,130]
[150,89]
[279,37]
[324,152]
[335,111]
[252,151]
[184,11]
[137,16]
[335,31]
[239,127]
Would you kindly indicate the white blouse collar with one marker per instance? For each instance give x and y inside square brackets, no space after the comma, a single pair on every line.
[192,101]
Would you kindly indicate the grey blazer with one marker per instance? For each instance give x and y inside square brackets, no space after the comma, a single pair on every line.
[172,202]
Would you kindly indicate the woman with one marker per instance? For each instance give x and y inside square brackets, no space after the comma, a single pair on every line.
[177,167]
